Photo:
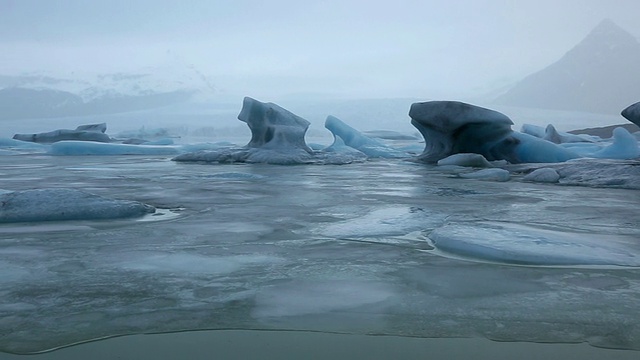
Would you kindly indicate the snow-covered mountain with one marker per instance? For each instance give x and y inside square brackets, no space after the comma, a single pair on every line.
[35,95]
[601,75]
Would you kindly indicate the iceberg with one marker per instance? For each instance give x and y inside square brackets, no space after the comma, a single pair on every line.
[543,175]
[466,160]
[551,134]
[526,245]
[624,146]
[355,139]
[530,149]
[22,145]
[500,175]
[65,204]
[451,127]
[632,113]
[277,137]
[91,132]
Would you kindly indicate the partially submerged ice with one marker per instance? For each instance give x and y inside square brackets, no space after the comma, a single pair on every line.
[632,113]
[277,137]
[355,139]
[557,137]
[65,204]
[96,148]
[452,127]
[91,132]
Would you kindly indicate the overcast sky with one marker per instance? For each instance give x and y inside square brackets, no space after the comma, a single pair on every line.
[400,48]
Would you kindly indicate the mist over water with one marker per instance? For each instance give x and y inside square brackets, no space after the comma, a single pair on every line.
[378,246]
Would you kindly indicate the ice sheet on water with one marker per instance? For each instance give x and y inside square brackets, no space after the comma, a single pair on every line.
[94,148]
[500,175]
[304,297]
[389,221]
[185,263]
[527,245]
[65,204]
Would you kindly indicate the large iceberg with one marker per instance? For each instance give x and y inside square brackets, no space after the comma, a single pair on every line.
[452,127]
[277,137]
[632,113]
[65,204]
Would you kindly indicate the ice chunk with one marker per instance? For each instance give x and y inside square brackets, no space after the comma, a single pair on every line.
[534,130]
[529,149]
[19,144]
[65,204]
[526,245]
[63,134]
[273,127]
[601,173]
[94,148]
[391,221]
[451,127]
[340,149]
[277,137]
[468,160]
[632,113]
[556,137]
[625,146]
[488,175]
[355,139]
[543,175]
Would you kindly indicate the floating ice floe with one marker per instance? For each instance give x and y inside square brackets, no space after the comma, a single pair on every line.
[500,175]
[525,245]
[82,133]
[94,148]
[466,160]
[543,175]
[65,204]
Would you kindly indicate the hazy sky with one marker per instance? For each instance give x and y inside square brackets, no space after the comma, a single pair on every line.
[415,48]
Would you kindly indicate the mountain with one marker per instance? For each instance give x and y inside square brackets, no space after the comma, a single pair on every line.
[601,75]
[40,95]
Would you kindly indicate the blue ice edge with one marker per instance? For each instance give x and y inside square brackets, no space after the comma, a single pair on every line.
[523,245]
